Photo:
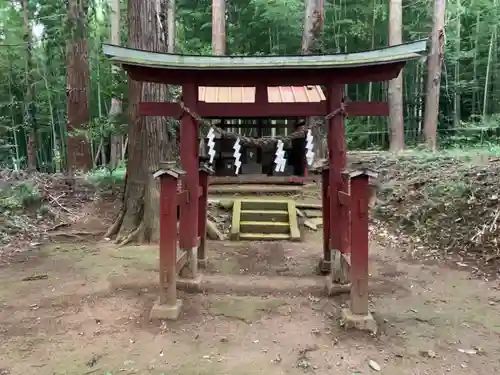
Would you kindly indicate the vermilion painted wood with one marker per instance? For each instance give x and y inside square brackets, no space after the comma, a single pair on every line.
[259,179]
[337,160]
[170,109]
[345,216]
[265,110]
[202,214]
[182,196]
[261,94]
[267,77]
[359,244]
[325,180]
[188,231]
[168,239]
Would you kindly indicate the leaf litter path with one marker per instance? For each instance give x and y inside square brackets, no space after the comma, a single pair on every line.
[434,320]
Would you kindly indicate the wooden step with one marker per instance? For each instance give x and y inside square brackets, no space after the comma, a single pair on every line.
[264,227]
[264,237]
[264,204]
[280,216]
[254,189]
[292,221]
[265,218]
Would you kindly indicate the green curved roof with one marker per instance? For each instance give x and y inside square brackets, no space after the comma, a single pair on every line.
[398,53]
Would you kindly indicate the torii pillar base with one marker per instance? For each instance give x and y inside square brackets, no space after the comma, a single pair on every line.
[165,311]
[340,267]
[324,267]
[202,264]
[365,323]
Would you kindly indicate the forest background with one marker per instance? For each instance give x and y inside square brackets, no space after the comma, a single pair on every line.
[43,45]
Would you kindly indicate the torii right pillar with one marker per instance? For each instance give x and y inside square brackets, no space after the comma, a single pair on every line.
[356,201]
[345,208]
[336,241]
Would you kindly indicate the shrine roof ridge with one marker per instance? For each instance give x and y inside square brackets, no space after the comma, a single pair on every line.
[398,53]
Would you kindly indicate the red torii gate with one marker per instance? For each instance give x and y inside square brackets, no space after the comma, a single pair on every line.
[333,71]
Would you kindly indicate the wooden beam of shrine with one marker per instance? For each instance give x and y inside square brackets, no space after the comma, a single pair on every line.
[274,77]
[269,110]
[362,108]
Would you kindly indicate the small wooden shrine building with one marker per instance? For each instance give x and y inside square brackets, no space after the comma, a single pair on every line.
[259,161]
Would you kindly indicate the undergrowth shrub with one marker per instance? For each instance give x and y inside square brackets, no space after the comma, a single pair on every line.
[106,180]
[19,196]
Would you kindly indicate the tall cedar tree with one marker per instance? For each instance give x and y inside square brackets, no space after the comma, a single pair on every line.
[314,22]
[29,105]
[149,143]
[396,120]
[435,65]
[78,82]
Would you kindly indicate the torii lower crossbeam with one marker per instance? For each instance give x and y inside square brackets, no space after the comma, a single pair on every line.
[264,110]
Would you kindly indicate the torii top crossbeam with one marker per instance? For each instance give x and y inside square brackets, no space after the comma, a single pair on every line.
[262,72]
[375,65]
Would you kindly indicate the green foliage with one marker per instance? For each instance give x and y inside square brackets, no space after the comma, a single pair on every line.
[253,27]
[483,132]
[108,180]
[456,189]
[19,196]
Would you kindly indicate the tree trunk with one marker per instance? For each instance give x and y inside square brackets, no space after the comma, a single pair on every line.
[149,143]
[314,20]
[396,118]
[29,118]
[489,67]
[79,157]
[115,110]
[218,27]
[171,26]
[457,99]
[475,88]
[434,63]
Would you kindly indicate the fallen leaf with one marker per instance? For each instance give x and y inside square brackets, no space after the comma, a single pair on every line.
[277,359]
[468,351]
[428,353]
[374,365]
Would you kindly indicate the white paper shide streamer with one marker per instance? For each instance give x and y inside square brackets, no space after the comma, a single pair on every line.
[237,155]
[280,160]
[211,144]
[309,147]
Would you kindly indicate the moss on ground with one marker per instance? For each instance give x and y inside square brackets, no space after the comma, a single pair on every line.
[247,309]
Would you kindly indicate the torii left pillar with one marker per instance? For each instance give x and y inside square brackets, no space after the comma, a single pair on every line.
[168,307]
[358,315]
[188,228]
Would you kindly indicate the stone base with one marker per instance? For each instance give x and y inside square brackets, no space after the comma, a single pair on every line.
[165,312]
[324,267]
[190,285]
[360,322]
[190,267]
[340,267]
[335,289]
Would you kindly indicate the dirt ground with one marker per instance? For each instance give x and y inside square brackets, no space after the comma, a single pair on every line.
[70,317]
